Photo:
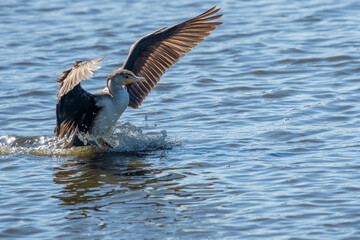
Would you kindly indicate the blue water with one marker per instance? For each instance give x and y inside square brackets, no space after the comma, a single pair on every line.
[252,135]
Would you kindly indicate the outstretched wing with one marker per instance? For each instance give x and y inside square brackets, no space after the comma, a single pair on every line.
[75,108]
[153,54]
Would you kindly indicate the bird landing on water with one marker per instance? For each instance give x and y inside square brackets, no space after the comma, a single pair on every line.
[80,113]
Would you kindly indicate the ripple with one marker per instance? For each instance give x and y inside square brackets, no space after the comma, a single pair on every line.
[253,135]
[279,94]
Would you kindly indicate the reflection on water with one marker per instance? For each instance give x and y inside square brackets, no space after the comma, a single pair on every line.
[83,179]
[133,188]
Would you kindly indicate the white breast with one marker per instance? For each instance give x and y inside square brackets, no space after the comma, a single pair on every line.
[112,108]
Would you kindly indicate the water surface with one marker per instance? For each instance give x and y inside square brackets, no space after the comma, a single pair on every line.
[253,135]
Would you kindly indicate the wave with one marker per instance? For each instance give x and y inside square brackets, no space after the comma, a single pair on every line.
[125,138]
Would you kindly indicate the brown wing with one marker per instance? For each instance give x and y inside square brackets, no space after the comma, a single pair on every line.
[76,74]
[153,54]
[75,108]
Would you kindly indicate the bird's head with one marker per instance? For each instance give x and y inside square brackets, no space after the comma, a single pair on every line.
[120,78]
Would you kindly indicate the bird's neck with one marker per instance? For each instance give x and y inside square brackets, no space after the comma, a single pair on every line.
[115,88]
[120,97]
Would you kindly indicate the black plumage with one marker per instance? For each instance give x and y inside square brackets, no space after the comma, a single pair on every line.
[75,112]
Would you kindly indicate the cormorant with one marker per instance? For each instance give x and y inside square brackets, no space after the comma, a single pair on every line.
[80,113]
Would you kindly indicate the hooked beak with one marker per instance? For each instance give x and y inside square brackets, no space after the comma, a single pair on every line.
[133,79]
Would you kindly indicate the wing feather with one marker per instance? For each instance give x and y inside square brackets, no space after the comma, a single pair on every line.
[153,54]
[80,71]
[75,111]
[75,108]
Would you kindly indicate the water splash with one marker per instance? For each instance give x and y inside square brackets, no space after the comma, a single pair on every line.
[128,138]
[125,138]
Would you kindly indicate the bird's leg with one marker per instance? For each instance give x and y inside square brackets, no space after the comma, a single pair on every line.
[103,143]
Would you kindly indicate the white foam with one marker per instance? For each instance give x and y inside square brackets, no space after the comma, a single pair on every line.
[124,138]
[129,138]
